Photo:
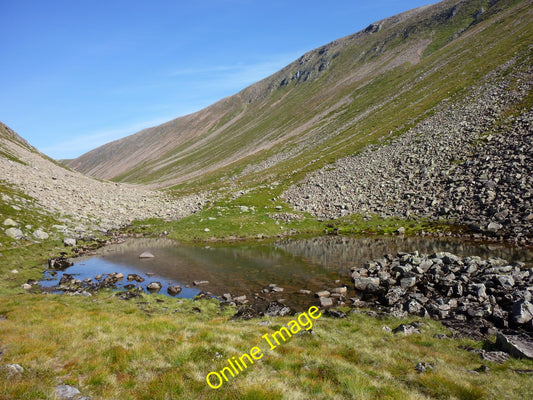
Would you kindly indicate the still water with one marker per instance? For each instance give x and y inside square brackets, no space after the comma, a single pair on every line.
[245,269]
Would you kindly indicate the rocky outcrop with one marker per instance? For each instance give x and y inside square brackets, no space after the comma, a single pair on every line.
[446,287]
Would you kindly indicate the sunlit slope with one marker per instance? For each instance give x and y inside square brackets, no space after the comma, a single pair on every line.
[329,103]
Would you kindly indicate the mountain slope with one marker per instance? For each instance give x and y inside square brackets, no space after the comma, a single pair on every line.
[37,192]
[329,103]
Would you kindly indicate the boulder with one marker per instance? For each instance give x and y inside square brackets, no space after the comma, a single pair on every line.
[520,346]
[67,392]
[240,299]
[174,290]
[408,282]
[340,290]
[326,302]
[154,286]
[59,263]
[40,234]
[406,329]
[69,242]
[135,277]
[522,312]
[366,284]
[10,222]
[14,233]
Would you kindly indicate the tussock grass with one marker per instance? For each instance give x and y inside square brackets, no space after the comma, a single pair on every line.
[111,349]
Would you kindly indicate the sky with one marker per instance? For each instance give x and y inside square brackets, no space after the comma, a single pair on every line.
[76,74]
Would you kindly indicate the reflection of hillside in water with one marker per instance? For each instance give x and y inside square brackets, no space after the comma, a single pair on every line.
[341,253]
[239,269]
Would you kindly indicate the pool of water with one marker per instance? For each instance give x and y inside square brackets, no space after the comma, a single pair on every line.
[246,269]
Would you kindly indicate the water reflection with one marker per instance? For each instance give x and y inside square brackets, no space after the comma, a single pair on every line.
[245,269]
[340,253]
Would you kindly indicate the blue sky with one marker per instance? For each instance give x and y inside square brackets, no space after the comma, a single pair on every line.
[77,74]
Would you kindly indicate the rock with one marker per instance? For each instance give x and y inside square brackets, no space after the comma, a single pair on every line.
[494,227]
[40,234]
[394,295]
[10,222]
[326,302]
[498,357]
[520,346]
[400,230]
[226,297]
[174,290]
[240,299]
[245,313]
[409,282]
[336,314]
[199,283]
[154,286]
[322,293]
[12,370]
[67,392]
[59,263]
[277,309]
[406,329]
[422,367]
[506,281]
[14,233]
[135,277]
[366,284]
[415,308]
[522,312]
[340,290]
[26,286]
[69,242]
[276,289]
[304,291]
[146,254]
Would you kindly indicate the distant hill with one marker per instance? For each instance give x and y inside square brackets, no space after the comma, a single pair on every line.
[330,103]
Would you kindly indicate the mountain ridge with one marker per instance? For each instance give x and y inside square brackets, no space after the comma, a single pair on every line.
[191,146]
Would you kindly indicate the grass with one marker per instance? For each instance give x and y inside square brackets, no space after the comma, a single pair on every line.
[141,349]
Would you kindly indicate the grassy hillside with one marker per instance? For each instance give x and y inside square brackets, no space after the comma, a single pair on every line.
[329,103]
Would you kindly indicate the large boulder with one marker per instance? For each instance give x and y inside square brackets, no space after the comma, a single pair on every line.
[520,346]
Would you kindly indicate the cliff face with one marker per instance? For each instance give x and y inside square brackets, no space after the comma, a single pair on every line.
[329,103]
